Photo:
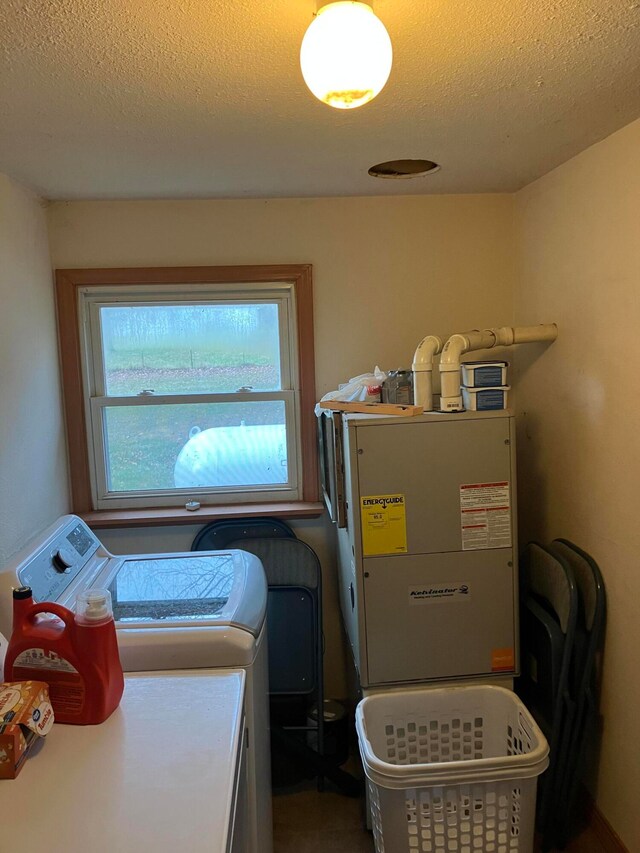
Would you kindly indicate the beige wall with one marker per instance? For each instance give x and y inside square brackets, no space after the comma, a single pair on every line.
[33,468]
[579,446]
[386,271]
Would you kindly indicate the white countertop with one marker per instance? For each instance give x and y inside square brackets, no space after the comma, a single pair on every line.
[157,776]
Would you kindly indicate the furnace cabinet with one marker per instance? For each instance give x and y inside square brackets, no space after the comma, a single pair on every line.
[425,515]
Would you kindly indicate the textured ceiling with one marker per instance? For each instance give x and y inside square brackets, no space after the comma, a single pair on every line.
[204,98]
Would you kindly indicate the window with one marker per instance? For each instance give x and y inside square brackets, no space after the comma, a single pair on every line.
[189,384]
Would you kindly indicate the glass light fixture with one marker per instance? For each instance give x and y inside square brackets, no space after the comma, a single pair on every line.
[346,54]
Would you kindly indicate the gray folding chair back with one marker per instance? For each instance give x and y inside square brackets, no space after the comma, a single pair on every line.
[217,534]
[587,662]
[549,578]
[286,561]
[294,612]
[590,586]
[549,611]
[294,621]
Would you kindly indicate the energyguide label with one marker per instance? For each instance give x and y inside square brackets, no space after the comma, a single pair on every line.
[384,525]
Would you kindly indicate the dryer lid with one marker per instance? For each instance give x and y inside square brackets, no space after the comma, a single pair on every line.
[190,589]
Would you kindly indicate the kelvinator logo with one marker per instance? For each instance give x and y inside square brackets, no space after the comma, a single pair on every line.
[383,502]
[442,590]
[419,594]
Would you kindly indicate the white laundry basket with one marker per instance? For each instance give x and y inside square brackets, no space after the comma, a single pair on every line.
[451,770]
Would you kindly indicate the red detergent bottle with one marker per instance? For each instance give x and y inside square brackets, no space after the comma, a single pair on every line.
[75,653]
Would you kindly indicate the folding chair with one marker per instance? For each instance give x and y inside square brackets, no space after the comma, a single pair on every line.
[549,607]
[587,665]
[217,535]
[294,629]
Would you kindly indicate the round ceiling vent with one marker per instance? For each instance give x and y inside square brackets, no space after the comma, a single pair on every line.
[404,169]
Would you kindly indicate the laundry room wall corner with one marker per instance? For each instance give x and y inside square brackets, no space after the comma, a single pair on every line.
[33,463]
[578,451]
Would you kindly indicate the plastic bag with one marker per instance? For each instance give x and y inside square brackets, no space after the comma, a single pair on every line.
[365,388]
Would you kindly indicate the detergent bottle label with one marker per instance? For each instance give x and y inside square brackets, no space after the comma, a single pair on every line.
[41,659]
[66,687]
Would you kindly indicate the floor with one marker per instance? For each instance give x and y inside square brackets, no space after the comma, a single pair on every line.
[306,821]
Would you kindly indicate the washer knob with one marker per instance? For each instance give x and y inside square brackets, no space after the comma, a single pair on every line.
[61,561]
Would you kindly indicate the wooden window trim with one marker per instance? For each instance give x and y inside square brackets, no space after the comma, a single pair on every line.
[68,282]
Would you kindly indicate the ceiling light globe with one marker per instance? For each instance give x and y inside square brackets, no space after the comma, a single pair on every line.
[346,55]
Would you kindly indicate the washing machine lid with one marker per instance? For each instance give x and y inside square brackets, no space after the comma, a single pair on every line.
[190,589]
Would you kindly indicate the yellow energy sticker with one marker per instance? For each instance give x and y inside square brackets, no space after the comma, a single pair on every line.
[384,525]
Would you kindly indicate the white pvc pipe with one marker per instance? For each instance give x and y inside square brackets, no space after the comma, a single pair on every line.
[422,368]
[526,334]
[457,345]
[454,349]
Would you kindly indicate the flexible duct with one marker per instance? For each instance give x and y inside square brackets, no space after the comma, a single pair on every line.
[476,339]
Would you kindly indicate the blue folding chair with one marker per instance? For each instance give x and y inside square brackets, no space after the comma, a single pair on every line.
[294,627]
[217,535]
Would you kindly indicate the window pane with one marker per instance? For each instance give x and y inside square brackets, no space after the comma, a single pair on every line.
[190,349]
[191,445]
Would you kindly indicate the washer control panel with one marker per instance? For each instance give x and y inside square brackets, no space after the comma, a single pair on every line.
[55,565]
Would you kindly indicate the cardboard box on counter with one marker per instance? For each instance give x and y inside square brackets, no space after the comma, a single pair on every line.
[25,716]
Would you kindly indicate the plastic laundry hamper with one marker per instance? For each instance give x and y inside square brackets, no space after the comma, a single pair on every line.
[451,770]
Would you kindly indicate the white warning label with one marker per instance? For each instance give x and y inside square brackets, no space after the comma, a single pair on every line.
[485,516]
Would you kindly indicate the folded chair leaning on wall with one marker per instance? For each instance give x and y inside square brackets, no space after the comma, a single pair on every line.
[587,669]
[548,613]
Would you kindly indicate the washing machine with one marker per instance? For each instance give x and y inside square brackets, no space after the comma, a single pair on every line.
[191,610]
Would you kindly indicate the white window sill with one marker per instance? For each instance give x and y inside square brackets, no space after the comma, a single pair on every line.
[159,516]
